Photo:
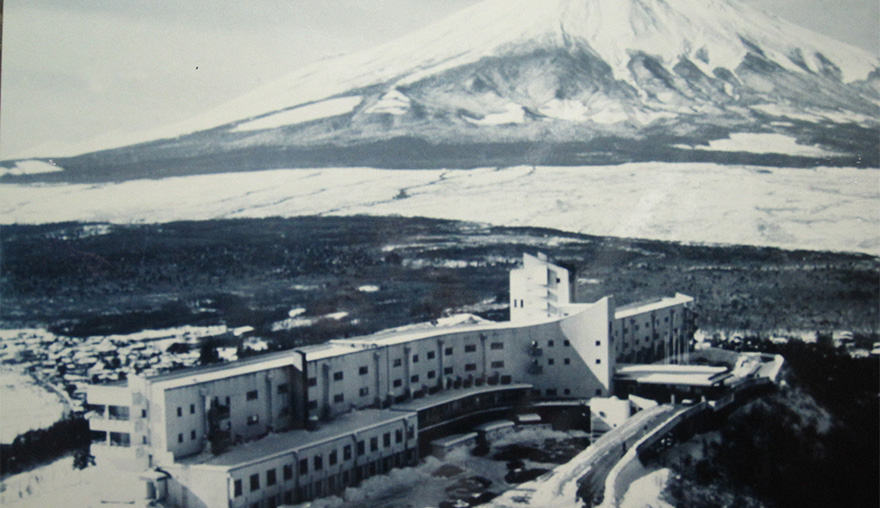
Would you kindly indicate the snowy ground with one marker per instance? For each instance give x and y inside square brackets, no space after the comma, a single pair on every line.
[26,405]
[819,209]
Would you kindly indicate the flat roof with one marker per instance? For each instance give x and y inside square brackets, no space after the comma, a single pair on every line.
[274,445]
[633,309]
[691,375]
[451,395]
[209,369]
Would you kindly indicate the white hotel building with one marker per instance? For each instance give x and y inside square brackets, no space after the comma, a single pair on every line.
[287,427]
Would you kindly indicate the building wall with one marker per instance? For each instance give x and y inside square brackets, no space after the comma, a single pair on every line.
[538,289]
[653,335]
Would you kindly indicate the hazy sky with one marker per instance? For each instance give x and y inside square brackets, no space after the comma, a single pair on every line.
[74,70]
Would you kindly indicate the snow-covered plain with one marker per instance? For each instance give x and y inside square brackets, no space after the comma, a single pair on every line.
[26,405]
[818,209]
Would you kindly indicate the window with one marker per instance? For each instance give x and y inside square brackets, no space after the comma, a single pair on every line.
[506,380]
[398,436]
[313,404]
[567,391]
[179,411]
[180,438]
[364,391]
[431,355]
[598,361]
[288,472]
[313,381]
[398,362]
[337,376]
[551,392]
[238,488]
[497,345]
[270,477]
[448,370]
[498,365]
[253,419]
[253,395]
[318,462]
[470,367]
[304,466]
[255,482]
[410,432]
[415,358]
[346,452]
[397,383]
[550,343]
[598,343]
[470,348]
[414,379]
[598,392]
[192,435]
[566,343]
[192,409]
[567,361]
[447,351]
[283,388]
[333,458]
[386,439]
[374,444]
[362,449]
[551,361]
[432,374]
[338,398]
[363,370]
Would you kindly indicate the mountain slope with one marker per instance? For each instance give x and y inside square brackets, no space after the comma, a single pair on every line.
[601,74]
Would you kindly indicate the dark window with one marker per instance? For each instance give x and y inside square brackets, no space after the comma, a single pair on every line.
[255,482]
[313,404]
[431,355]
[364,391]
[398,362]
[318,462]
[397,383]
[337,376]
[567,361]
[362,449]
[550,343]
[270,477]
[598,343]
[304,466]
[506,380]
[414,379]
[288,472]
[498,365]
[283,388]
[410,432]
[338,398]
[180,438]
[432,374]
[497,345]
[598,392]
[333,458]
[448,370]
[313,381]
[346,452]
[566,391]
[551,392]
[179,411]
[192,409]
[551,361]
[374,444]
[566,343]
[398,436]
[253,395]
[470,348]
[386,439]
[363,370]
[238,489]
[253,419]
[598,361]
[448,351]
[415,358]
[469,367]
[192,435]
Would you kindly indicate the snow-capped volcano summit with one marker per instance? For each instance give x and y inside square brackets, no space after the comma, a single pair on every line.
[621,79]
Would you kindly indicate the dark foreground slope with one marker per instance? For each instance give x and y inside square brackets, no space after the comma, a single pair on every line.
[101,279]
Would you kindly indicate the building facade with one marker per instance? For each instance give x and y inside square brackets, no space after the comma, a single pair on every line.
[291,426]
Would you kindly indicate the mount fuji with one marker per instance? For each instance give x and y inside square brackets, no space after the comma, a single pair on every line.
[554,82]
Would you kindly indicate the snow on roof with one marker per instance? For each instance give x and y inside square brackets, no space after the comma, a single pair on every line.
[694,375]
[636,308]
[274,445]
[451,395]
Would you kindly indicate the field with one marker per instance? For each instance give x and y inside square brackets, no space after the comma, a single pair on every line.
[371,273]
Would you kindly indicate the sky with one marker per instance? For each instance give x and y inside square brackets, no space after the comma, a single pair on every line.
[73,71]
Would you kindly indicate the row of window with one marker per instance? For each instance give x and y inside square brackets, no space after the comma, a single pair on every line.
[317,462]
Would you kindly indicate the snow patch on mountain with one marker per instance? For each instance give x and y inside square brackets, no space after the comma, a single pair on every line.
[761,143]
[513,114]
[31,167]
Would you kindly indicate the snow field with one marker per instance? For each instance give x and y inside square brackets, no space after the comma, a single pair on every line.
[26,405]
[817,209]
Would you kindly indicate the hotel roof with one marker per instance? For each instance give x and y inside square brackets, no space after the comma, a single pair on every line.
[636,308]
